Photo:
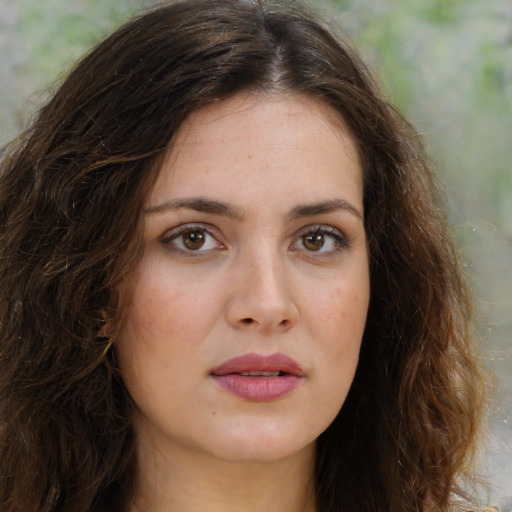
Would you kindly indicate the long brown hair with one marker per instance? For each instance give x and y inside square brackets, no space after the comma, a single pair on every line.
[71,195]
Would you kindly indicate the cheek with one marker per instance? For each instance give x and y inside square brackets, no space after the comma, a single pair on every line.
[164,305]
[342,311]
[340,321]
[156,313]
[336,326]
[159,336]
[168,319]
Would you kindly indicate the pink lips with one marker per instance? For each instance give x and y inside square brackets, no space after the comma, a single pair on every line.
[258,378]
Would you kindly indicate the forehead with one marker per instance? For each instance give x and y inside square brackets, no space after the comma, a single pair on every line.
[242,114]
[255,141]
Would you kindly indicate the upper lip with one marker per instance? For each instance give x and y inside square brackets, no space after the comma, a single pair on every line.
[259,363]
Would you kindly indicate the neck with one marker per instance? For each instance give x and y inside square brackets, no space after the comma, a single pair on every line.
[185,482]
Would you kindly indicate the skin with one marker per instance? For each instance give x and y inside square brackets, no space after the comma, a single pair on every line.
[257,284]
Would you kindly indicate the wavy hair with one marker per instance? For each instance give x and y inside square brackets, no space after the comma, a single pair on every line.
[72,189]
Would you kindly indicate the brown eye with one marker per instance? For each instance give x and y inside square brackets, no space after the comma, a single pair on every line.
[320,240]
[313,241]
[193,240]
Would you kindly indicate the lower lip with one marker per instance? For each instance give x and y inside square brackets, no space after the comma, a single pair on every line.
[258,389]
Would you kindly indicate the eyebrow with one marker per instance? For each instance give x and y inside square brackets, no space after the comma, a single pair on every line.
[201,204]
[329,206]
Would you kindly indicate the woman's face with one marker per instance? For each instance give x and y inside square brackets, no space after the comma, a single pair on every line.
[249,304]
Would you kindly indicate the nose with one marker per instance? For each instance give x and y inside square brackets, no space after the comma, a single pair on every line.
[262,297]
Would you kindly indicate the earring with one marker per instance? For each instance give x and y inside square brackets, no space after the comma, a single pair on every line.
[107,347]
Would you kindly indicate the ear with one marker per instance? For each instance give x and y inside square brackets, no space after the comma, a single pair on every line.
[104,331]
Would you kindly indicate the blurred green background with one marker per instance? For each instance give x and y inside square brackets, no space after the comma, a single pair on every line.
[447,64]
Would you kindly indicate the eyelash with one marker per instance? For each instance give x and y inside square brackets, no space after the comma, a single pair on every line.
[174,234]
[340,241]
[337,236]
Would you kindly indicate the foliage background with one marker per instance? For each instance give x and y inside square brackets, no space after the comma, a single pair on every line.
[447,64]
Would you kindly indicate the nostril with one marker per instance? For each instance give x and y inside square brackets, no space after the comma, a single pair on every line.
[247,320]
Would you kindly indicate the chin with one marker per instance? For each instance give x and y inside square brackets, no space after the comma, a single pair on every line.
[262,445]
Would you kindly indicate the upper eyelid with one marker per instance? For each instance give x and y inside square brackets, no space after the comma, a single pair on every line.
[189,226]
[169,237]
[210,228]
[213,231]
[343,241]
[324,228]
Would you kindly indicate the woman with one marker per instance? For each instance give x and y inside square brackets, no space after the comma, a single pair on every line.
[227,282]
